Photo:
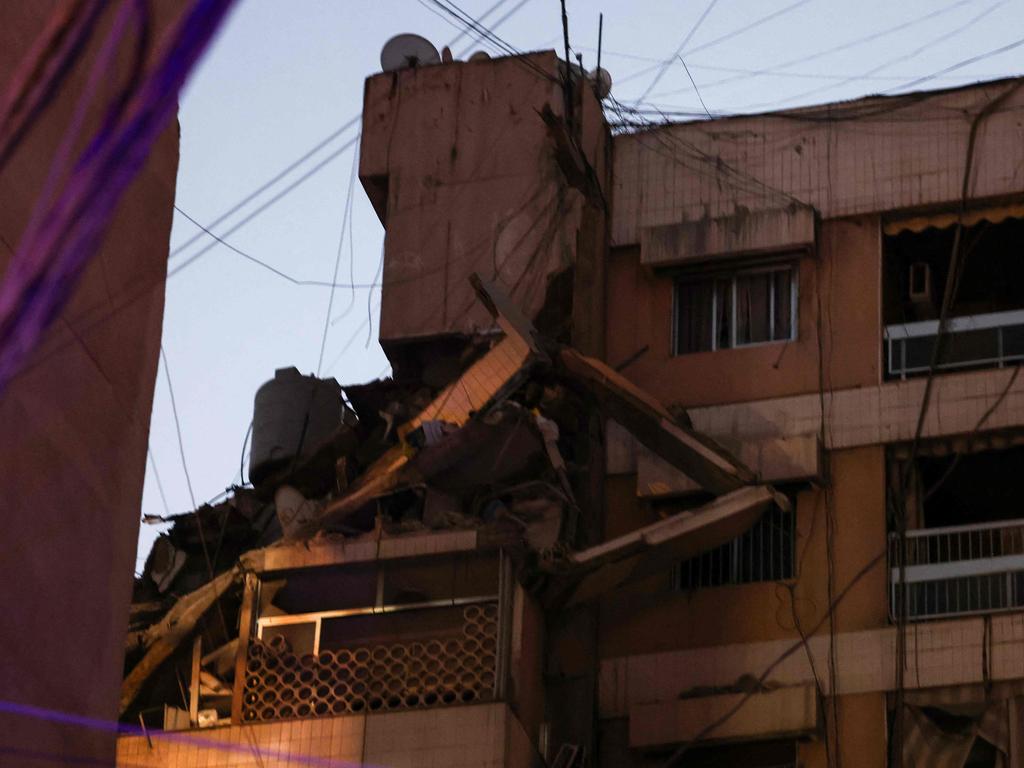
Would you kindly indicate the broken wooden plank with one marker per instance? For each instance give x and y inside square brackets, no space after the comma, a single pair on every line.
[508,316]
[245,622]
[651,423]
[222,660]
[163,638]
[194,680]
[659,546]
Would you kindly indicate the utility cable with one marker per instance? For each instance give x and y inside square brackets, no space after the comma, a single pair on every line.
[959,65]
[337,261]
[957,30]
[159,485]
[709,729]
[272,181]
[272,201]
[667,62]
[696,89]
[188,480]
[511,12]
[260,263]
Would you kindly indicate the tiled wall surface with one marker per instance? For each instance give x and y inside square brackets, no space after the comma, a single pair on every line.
[939,653]
[841,159]
[479,736]
[869,415]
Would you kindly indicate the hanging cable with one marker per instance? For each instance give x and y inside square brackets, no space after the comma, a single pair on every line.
[337,260]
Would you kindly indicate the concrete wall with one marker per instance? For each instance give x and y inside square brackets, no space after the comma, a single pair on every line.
[844,274]
[711,196]
[650,617]
[476,736]
[462,172]
[73,432]
[844,159]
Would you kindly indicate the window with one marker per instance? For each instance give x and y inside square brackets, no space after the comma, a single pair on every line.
[985,323]
[764,553]
[735,310]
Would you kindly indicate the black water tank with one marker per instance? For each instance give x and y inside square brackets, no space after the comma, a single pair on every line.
[292,415]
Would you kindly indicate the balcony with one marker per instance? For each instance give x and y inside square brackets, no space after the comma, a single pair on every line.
[991,339]
[375,659]
[959,570]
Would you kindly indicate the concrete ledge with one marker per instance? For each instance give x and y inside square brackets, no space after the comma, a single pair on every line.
[772,714]
[944,653]
[783,459]
[338,551]
[742,232]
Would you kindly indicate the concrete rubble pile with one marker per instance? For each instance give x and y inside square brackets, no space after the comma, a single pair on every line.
[511,447]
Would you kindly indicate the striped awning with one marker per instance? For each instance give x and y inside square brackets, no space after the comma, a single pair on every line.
[993,215]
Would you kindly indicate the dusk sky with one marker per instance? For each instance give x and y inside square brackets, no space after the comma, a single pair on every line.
[284,76]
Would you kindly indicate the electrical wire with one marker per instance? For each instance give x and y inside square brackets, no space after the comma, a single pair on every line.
[261,263]
[482,17]
[668,62]
[959,65]
[695,88]
[511,12]
[854,43]
[159,484]
[272,181]
[269,203]
[337,260]
[188,480]
[957,30]
[709,729]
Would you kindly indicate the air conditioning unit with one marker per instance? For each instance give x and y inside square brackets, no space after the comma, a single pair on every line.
[920,283]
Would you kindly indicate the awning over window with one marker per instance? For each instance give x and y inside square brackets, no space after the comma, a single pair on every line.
[992,215]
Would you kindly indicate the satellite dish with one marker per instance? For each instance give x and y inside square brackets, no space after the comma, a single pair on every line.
[404,51]
[602,81]
[480,56]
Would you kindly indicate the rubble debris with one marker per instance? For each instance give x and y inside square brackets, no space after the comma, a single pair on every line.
[163,638]
[167,563]
[652,424]
[657,546]
[294,511]
[499,455]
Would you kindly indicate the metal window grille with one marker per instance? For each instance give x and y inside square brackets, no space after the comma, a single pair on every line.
[763,553]
[958,570]
[993,339]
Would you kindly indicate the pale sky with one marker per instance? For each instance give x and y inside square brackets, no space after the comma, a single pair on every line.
[285,75]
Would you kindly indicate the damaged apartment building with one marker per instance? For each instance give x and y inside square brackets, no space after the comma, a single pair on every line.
[702,448]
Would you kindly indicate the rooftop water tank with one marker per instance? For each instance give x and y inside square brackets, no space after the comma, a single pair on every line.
[292,416]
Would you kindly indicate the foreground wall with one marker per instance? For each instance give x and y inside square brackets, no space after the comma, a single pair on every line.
[73,433]
[477,736]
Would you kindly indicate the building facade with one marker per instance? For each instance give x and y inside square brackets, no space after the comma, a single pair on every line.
[770,363]
[74,422]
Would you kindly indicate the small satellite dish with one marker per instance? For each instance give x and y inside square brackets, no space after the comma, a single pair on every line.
[602,81]
[480,56]
[404,51]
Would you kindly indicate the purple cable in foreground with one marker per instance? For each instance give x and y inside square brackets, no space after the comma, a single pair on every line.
[64,234]
[180,737]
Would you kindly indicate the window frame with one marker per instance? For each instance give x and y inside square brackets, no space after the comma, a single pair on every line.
[792,265]
[732,575]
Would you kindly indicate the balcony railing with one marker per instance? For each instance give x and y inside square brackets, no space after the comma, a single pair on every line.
[959,570]
[374,659]
[992,339]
